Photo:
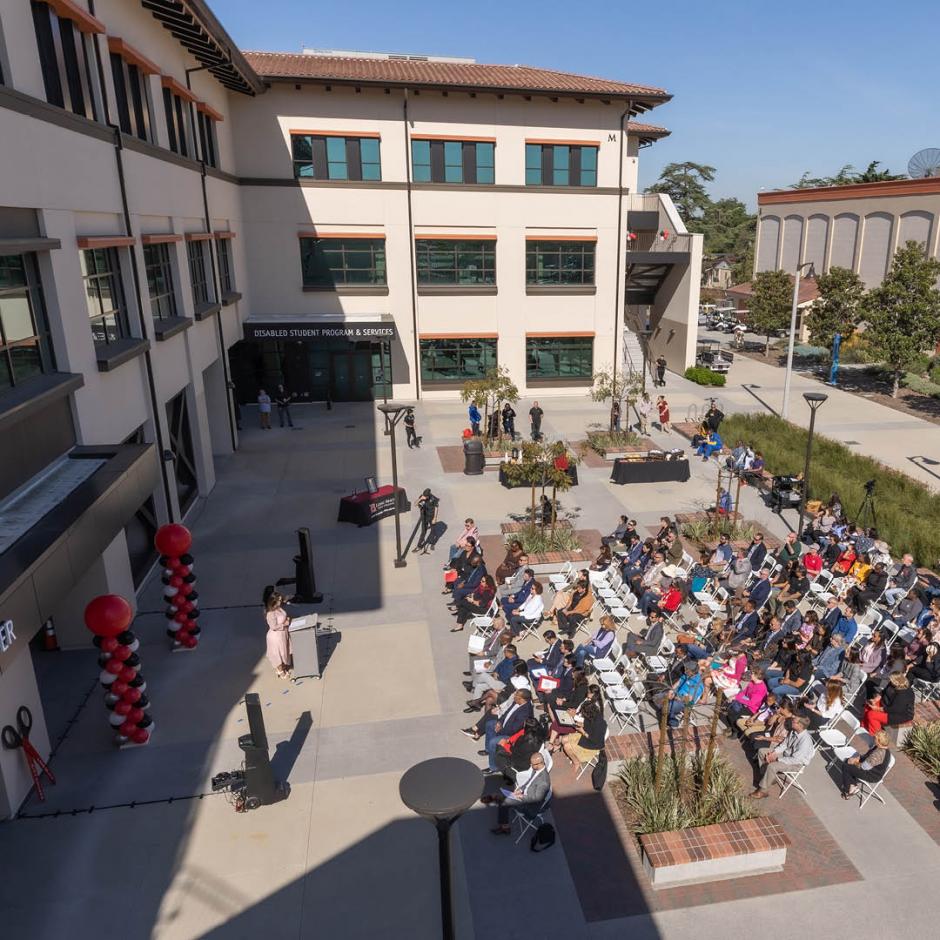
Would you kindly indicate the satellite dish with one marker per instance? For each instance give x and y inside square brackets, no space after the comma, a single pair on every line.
[924,163]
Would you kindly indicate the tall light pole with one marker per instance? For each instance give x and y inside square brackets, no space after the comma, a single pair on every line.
[814,400]
[785,410]
[393,413]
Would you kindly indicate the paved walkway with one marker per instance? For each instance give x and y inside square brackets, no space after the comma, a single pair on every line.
[342,857]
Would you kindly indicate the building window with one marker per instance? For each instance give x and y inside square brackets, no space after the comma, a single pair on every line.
[336,158]
[160,281]
[226,274]
[199,272]
[559,263]
[453,161]
[104,295]
[448,261]
[133,98]
[25,344]
[456,359]
[178,124]
[560,165]
[335,262]
[208,141]
[64,60]
[559,357]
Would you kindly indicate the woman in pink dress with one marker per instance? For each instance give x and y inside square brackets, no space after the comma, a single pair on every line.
[278,638]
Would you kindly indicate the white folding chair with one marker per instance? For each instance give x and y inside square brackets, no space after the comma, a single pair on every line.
[485,623]
[867,790]
[530,822]
[560,580]
[609,662]
[611,589]
[925,690]
[593,761]
[529,628]
[832,738]
[791,777]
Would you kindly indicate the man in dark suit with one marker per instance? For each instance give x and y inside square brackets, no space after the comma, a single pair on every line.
[756,551]
[760,589]
[745,627]
[519,597]
[551,656]
[512,716]
[832,615]
[466,586]
[528,797]
[649,643]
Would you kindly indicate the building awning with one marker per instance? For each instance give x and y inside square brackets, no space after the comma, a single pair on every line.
[378,326]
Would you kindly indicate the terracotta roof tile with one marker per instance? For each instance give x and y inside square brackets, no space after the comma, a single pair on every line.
[809,290]
[469,75]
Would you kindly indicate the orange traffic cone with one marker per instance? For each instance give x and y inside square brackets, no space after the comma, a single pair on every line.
[49,641]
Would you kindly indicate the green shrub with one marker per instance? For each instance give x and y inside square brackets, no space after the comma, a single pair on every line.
[908,512]
[603,441]
[702,376]
[537,541]
[919,366]
[935,373]
[804,351]
[702,531]
[917,383]
[647,811]
[923,747]
[856,350]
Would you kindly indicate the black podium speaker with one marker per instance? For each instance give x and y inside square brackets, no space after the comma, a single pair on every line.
[260,788]
[306,579]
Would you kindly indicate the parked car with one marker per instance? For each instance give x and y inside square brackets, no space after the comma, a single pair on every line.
[710,355]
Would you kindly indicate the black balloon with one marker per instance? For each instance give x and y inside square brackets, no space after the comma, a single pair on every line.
[186,559]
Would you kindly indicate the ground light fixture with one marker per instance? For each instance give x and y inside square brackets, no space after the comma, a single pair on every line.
[785,410]
[441,790]
[814,400]
[393,413]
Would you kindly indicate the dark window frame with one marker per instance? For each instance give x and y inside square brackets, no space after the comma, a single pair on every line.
[570,268]
[226,265]
[208,140]
[95,274]
[485,350]
[329,152]
[157,261]
[543,165]
[577,347]
[30,289]
[200,272]
[432,257]
[472,163]
[63,59]
[319,273]
[131,93]
[178,124]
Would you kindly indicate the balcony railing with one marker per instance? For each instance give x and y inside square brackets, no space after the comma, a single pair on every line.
[658,241]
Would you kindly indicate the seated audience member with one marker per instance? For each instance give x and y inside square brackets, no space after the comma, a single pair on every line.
[789,550]
[599,644]
[619,535]
[656,594]
[528,797]
[467,584]
[570,697]
[828,662]
[829,704]
[666,525]
[738,573]
[749,698]
[582,600]
[728,676]
[834,612]
[562,679]
[897,699]
[908,609]
[476,603]
[513,584]
[529,612]
[797,585]
[916,646]
[518,597]
[511,717]
[753,473]
[564,716]
[470,531]
[756,552]
[684,693]
[812,561]
[459,566]
[549,658]
[603,560]
[771,724]
[851,675]
[843,564]
[672,547]
[793,679]
[495,676]
[846,627]
[515,752]
[651,575]
[830,550]
[874,717]
[513,561]
[927,666]
[795,751]
[870,765]
[859,571]
[902,581]
[820,526]
[649,642]
[874,654]
[869,590]
[724,552]
[745,626]
[581,747]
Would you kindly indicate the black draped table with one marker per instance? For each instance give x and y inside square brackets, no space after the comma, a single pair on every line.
[365,508]
[650,471]
[571,471]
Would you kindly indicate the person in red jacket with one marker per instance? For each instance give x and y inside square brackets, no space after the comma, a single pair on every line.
[874,717]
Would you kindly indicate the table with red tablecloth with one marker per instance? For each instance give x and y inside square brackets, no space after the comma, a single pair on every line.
[365,508]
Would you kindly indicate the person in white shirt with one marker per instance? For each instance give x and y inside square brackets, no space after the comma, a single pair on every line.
[529,612]
[796,750]
[828,705]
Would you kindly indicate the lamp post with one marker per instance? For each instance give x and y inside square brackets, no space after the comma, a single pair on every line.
[785,410]
[441,790]
[814,400]
[393,413]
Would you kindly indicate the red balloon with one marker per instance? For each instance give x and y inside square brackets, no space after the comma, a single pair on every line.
[123,708]
[135,715]
[119,687]
[173,539]
[140,735]
[186,589]
[127,728]
[127,673]
[108,615]
[122,653]
[132,695]
[114,666]
[176,581]
[109,644]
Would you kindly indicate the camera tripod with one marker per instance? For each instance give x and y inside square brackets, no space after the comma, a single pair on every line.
[866,510]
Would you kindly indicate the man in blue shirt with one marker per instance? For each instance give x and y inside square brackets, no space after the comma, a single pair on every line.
[845,628]
[685,692]
[829,661]
[521,596]
[474,414]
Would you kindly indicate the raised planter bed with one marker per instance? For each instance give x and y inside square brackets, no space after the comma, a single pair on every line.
[714,853]
[507,528]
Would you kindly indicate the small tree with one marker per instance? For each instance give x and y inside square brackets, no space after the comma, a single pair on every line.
[771,303]
[903,312]
[530,469]
[838,308]
[557,478]
[487,393]
[625,387]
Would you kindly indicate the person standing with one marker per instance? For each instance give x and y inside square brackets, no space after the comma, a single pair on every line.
[535,416]
[615,416]
[264,409]
[661,371]
[644,408]
[282,398]
[278,637]
[411,437]
[427,507]
[509,421]
[473,413]
[662,406]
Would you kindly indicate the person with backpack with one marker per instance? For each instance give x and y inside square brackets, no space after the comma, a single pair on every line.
[473,413]
[528,797]
[427,507]
[411,435]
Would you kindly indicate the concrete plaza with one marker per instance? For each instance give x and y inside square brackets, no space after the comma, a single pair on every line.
[140,848]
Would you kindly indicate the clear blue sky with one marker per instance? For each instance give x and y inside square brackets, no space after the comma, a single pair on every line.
[763,91]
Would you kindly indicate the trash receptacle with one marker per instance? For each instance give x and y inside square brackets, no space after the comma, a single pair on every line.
[473,458]
[303,643]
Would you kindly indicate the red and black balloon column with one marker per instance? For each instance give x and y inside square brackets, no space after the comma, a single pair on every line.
[182,604]
[108,617]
